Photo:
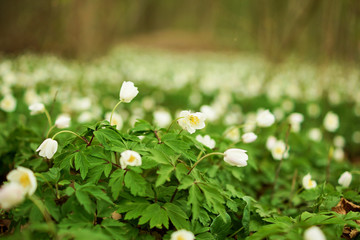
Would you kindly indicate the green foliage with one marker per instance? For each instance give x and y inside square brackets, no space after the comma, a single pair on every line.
[85,191]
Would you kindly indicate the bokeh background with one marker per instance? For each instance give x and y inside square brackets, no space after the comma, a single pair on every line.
[319,30]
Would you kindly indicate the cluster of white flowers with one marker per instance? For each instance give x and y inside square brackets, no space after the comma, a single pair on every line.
[21,182]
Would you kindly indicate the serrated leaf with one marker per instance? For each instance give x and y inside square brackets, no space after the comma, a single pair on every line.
[82,164]
[164,174]
[156,220]
[220,226]
[177,216]
[135,182]
[116,182]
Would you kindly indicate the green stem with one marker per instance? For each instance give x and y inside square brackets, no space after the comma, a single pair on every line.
[40,205]
[47,182]
[68,131]
[48,117]
[172,123]
[114,110]
[47,135]
[237,231]
[199,160]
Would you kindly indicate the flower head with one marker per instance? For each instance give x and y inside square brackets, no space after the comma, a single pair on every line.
[236,157]
[270,142]
[11,194]
[265,118]
[233,134]
[307,182]
[128,91]
[48,148]
[191,121]
[314,233]
[345,179]
[63,121]
[116,120]
[36,108]
[295,120]
[278,150]
[182,235]
[331,122]
[249,137]
[130,158]
[162,118]
[206,140]
[24,177]
[8,104]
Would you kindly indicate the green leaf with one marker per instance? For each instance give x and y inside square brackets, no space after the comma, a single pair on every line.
[246,214]
[195,199]
[177,216]
[82,164]
[133,209]
[117,182]
[220,227]
[164,174]
[136,183]
[156,215]
[141,126]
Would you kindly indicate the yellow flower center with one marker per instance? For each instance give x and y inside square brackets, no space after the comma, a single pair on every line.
[310,183]
[131,159]
[7,103]
[278,150]
[25,180]
[194,120]
[180,238]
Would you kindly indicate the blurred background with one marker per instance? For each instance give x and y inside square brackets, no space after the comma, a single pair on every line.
[319,30]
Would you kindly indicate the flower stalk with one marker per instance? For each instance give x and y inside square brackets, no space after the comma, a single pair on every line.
[112,112]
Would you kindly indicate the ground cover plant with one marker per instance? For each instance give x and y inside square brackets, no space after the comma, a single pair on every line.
[148,145]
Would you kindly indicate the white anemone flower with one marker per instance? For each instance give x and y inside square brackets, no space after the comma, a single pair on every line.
[128,92]
[206,140]
[11,194]
[8,103]
[191,121]
[314,233]
[24,177]
[236,157]
[47,148]
[130,158]
[345,179]
[182,235]
[307,182]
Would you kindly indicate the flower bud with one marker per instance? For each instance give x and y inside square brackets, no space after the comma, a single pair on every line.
[345,179]
[236,157]
[265,118]
[249,137]
[63,121]
[36,108]
[130,158]
[47,148]
[128,91]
